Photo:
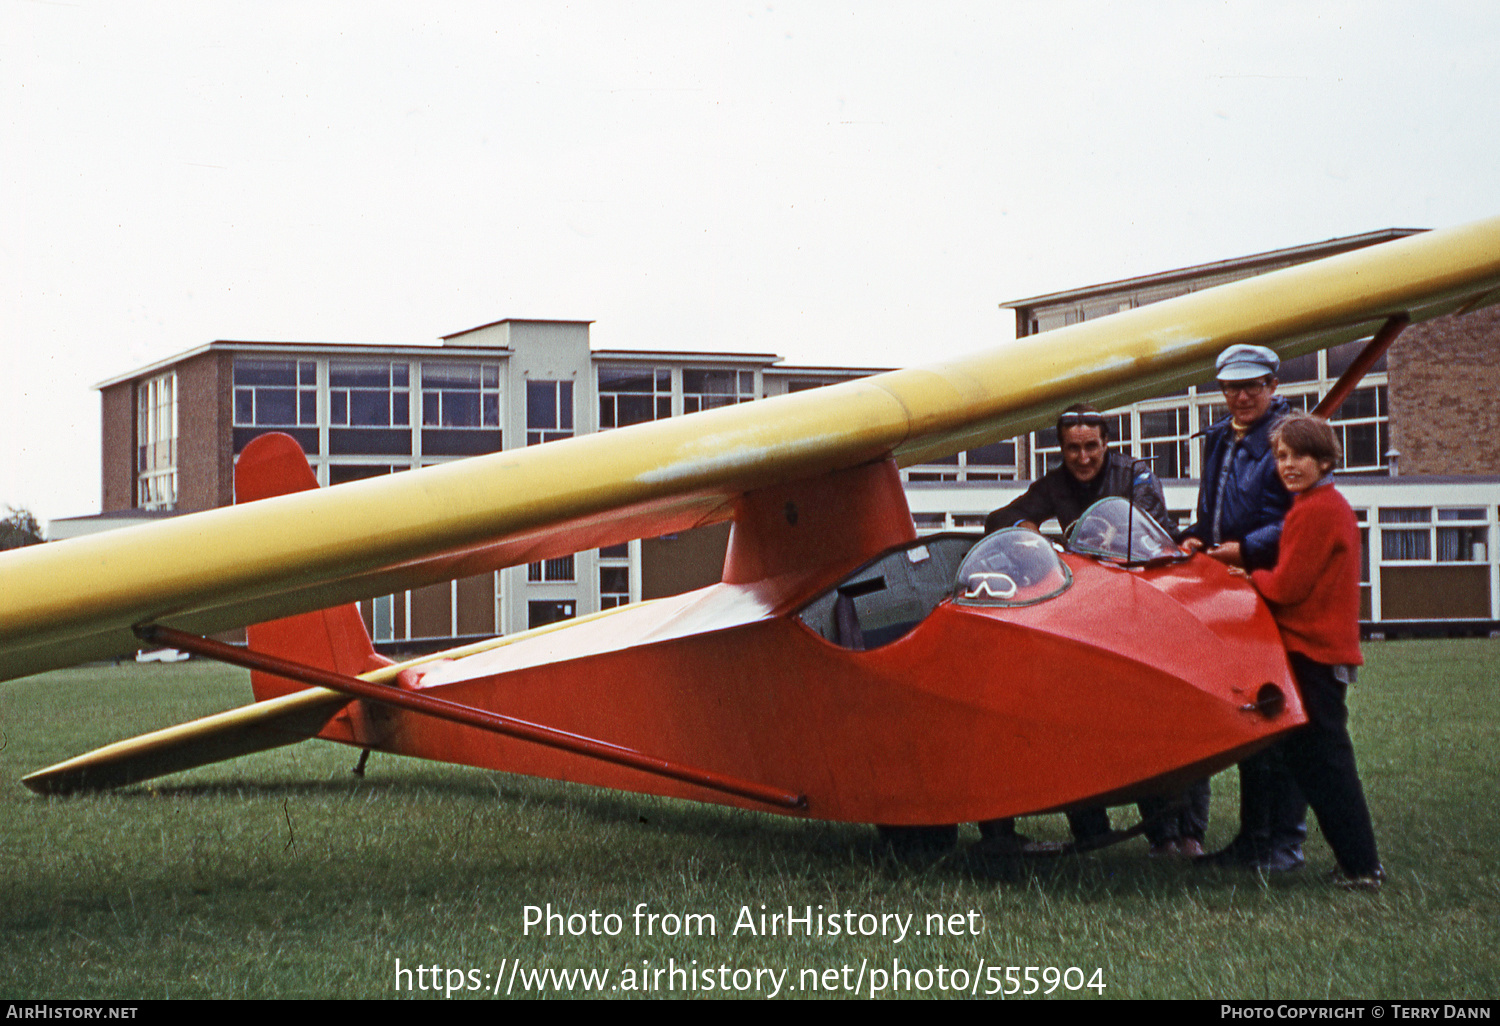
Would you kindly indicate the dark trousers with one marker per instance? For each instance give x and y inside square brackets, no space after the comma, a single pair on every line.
[1190,822]
[1273,812]
[1320,757]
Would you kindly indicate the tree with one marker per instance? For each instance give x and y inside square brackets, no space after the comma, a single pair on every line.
[19,528]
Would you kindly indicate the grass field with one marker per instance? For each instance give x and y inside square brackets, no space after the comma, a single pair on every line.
[282,875]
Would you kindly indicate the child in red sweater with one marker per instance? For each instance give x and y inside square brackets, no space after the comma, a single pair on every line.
[1313,593]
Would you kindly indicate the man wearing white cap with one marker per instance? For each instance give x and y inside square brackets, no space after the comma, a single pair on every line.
[1241,504]
[1241,501]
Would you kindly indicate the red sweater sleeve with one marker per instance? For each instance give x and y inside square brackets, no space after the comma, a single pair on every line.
[1304,557]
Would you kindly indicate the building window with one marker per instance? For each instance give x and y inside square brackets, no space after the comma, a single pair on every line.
[1298,368]
[992,462]
[805,384]
[1164,440]
[461,395]
[1209,414]
[343,473]
[384,616]
[614,576]
[551,571]
[1460,543]
[460,411]
[275,393]
[1341,357]
[710,389]
[928,522]
[549,411]
[1362,425]
[614,586]
[941,468]
[540,614]
[368,393]
[1405,543]
[633,396]
[1435,563]
[156,438]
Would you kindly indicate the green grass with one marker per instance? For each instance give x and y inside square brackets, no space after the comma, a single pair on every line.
[281,875]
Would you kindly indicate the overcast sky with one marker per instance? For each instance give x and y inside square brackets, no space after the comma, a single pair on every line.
[837,183]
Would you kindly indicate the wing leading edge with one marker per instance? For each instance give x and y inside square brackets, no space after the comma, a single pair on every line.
[75,600]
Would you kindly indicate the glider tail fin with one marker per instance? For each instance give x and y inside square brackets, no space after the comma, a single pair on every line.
[330,639]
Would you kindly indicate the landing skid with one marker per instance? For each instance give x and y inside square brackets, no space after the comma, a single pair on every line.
[910,841]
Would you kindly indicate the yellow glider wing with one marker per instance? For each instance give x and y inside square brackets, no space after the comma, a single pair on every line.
[74,600]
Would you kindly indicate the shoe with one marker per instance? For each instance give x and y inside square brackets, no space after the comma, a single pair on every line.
[1365,882]
[1189,848]
[1238,854]
[1241,855]
[1166,850]
[1286,859]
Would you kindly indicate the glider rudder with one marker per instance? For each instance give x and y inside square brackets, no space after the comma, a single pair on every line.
[330,639]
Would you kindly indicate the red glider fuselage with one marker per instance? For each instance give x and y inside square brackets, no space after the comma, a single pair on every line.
[1131,682]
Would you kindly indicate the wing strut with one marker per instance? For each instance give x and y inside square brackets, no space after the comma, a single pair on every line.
[1361,365]
[469,716]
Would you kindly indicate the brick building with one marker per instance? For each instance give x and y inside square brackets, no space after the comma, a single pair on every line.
[172,430]
[1443,408]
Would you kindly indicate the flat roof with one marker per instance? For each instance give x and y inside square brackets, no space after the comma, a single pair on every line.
[1295,254]
[424,350]
[788,370]
[511,320]
[683,354]
[431,349]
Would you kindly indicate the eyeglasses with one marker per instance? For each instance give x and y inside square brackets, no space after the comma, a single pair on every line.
[1249,388]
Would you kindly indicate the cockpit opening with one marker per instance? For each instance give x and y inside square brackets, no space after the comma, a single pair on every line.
[884,600]
[888,597]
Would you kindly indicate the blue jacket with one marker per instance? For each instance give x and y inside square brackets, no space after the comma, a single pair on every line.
[1254,500]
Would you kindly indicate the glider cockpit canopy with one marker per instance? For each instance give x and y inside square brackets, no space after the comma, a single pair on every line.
[1013,567]
[1113,529]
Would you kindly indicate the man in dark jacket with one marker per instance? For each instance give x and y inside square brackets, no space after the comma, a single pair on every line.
[1091,471]
[1241,501]
[1241,504]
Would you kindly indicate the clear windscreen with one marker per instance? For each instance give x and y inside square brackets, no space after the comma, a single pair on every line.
[1013,567]
[1110,530]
